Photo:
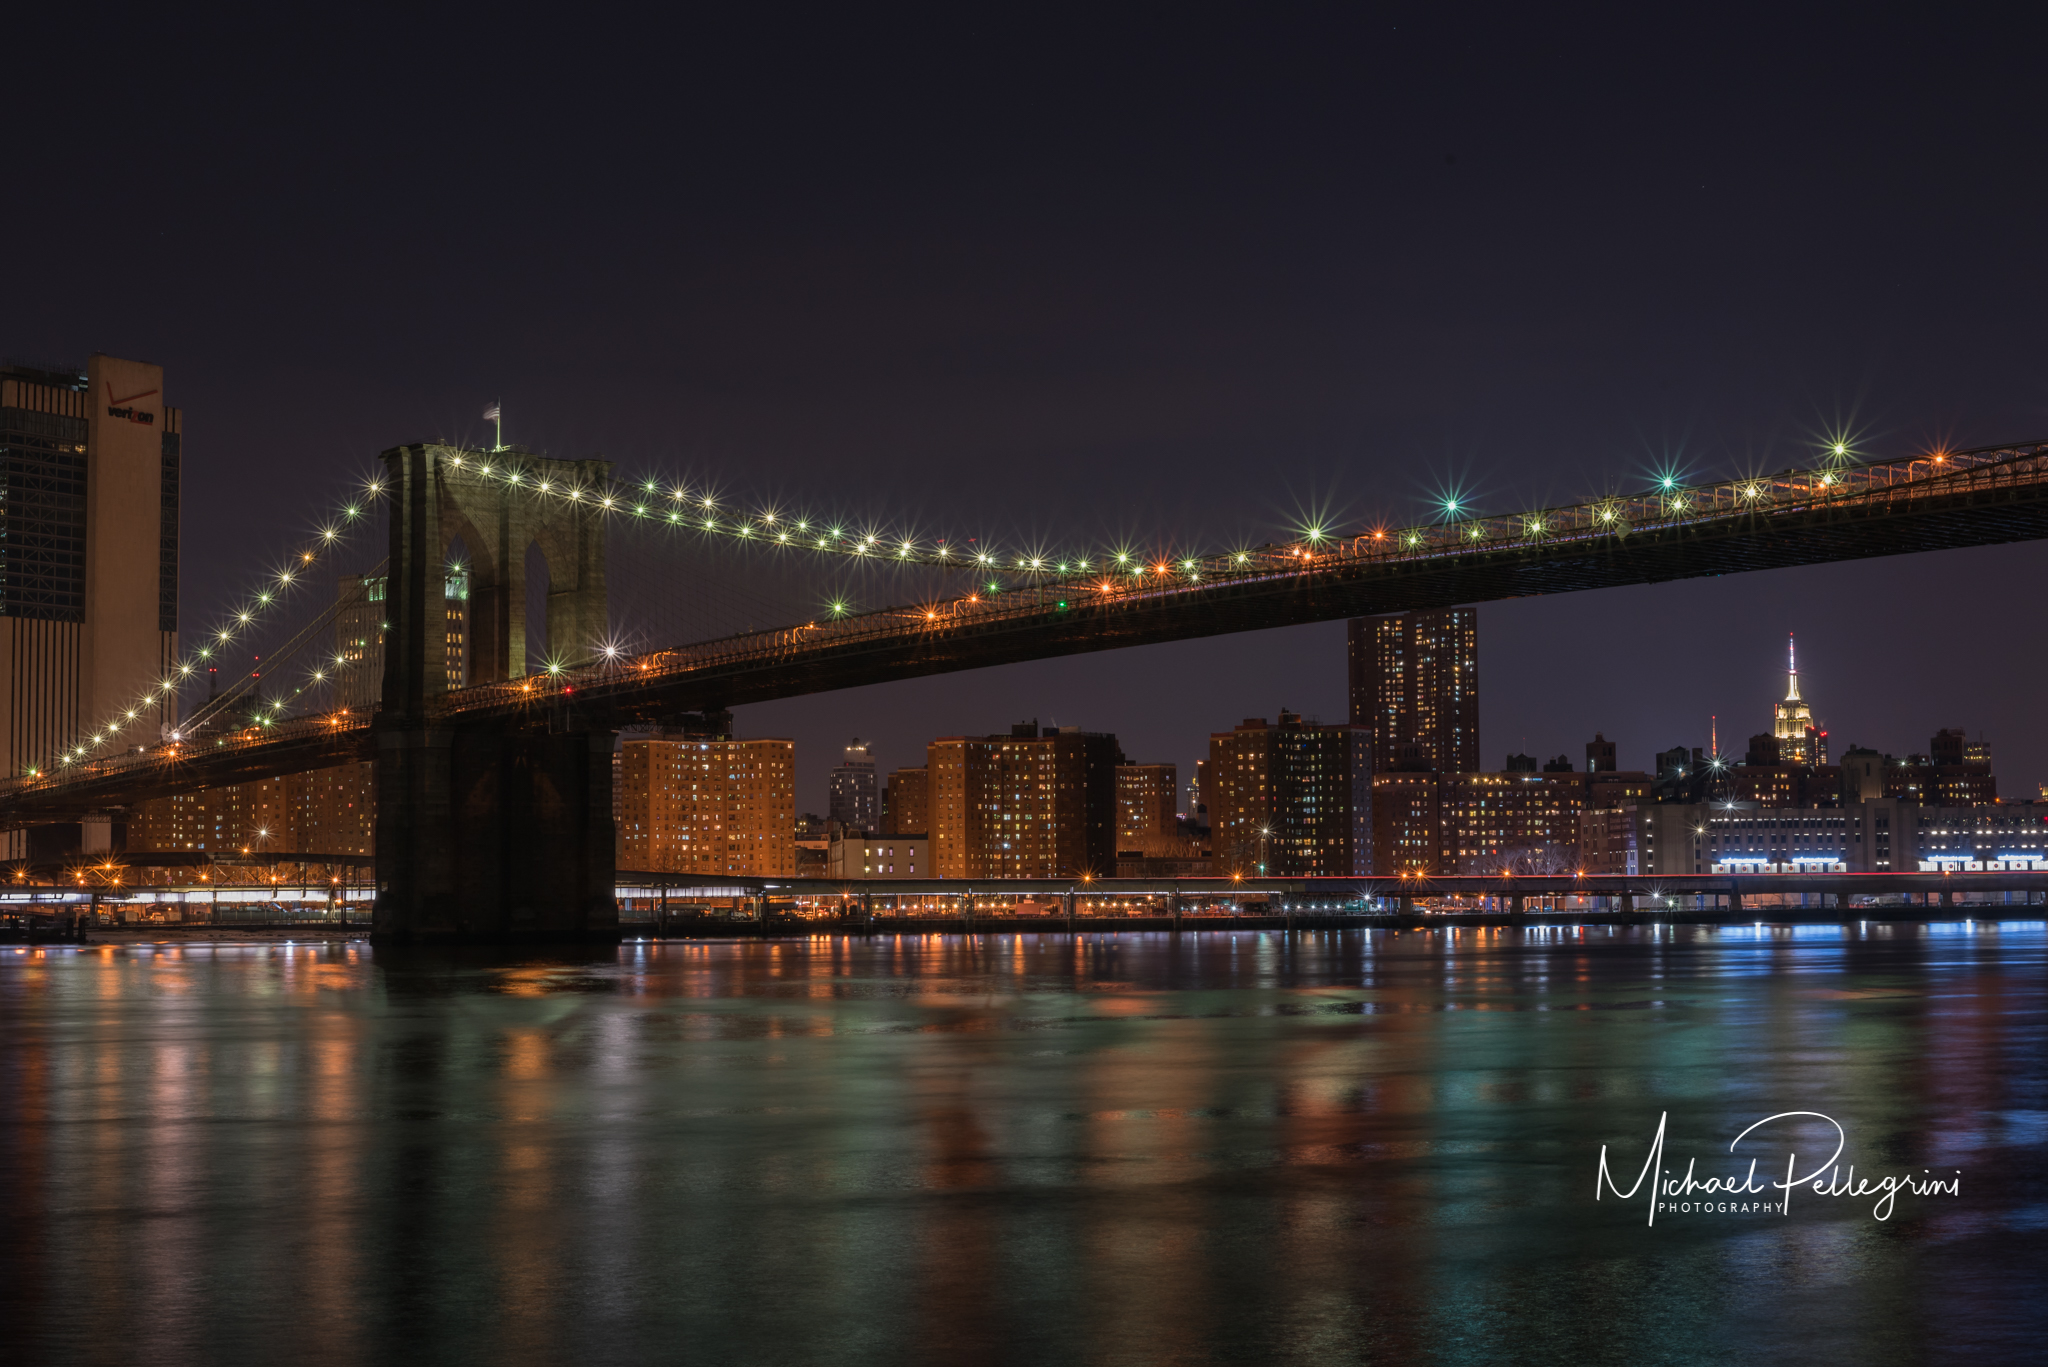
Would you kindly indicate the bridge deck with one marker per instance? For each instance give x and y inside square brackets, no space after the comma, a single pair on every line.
[1984,497]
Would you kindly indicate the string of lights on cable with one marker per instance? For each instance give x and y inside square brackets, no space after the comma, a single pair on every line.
[262,603]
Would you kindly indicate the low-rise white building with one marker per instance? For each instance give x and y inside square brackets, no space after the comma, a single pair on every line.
[879,856]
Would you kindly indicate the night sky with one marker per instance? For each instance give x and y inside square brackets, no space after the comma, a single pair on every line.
[1156,279]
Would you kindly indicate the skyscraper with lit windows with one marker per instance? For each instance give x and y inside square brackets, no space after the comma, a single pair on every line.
[1800,739]
[1414,680]
[90,470]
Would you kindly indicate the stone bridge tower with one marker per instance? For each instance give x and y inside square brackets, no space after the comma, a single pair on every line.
[490,830]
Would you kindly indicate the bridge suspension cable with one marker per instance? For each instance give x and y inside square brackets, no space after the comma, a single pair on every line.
[1121,571]
[262,604]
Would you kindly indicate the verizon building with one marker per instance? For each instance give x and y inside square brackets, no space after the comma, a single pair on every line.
[88,554]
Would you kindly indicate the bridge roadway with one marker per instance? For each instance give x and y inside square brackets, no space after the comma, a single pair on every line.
[1984,497]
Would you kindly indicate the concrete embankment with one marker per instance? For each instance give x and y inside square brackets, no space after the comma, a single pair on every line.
[786,928]
[719,929]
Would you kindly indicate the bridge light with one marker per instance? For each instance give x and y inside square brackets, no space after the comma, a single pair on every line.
[782,537]
[1841,448]
[544,486]
[353,511]
[1477,533]
[1414,539]
[1750,492]
[376,486]
[651,486]
[184,669]
[512,477]
[608,502]
[261,598]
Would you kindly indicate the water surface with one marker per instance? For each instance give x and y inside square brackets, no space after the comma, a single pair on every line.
[1216,1148]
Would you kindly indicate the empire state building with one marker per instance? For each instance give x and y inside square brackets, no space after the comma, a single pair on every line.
[1799,740]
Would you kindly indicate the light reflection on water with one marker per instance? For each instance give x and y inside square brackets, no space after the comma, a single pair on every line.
[1013,1148]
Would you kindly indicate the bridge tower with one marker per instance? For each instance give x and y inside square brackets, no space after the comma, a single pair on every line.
[489,830]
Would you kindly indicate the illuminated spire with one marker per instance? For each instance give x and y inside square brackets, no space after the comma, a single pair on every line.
[1791,669]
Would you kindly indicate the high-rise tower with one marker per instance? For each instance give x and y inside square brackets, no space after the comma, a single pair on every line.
[855,799]
[89,478]
[1415,683]
[1800,740]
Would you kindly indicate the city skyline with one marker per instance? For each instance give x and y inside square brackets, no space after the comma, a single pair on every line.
[1851,688]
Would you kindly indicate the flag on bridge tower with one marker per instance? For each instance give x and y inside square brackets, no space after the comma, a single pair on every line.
[495,414]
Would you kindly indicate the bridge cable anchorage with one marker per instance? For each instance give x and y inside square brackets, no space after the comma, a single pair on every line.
[1122,575]
[262,603]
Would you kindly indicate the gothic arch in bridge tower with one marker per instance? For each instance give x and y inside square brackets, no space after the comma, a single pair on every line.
[497,524]
[489,827]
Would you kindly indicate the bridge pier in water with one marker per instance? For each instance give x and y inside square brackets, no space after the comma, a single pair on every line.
[499,830]
[489,835]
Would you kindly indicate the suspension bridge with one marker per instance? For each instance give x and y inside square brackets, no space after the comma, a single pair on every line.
[493,800]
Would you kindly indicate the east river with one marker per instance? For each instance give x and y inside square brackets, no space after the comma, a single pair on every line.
[1334,1147]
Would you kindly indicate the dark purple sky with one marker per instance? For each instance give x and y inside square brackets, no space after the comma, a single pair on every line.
[1094,279]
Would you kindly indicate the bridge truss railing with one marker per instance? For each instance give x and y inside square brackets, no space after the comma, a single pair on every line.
[188,750]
